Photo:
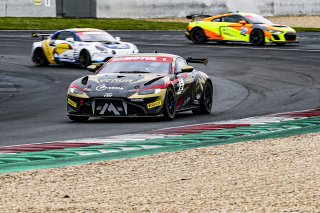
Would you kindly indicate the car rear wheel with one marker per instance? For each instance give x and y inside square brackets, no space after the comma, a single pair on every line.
[39,58]
[257,38]
[85,59]
[78,118]
[206,100]
[169,106]
[197,36]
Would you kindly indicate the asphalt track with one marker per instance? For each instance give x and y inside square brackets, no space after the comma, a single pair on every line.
[248,81]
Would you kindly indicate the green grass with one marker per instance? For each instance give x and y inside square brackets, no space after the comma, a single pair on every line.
[9,23]
[306,29]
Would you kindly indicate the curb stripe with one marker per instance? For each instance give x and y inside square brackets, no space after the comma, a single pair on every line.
[20,157]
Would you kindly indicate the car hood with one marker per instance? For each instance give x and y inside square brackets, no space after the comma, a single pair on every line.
[119,84]
[116,46]
[279,27]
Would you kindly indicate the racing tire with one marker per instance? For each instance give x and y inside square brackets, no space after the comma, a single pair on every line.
[257,38]
[39,59]
[78,119]
[206,100]
[281,44]
[198,36]
[221,42]
[169,106]
[85,59]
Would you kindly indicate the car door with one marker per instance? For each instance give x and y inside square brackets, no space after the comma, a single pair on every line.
[184,85]
[62,49]
[212,28]
[232,30]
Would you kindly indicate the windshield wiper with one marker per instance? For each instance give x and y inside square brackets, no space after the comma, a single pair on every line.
[134,72]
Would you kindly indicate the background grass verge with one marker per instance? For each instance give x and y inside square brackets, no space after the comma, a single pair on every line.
[11,23]
[8,23]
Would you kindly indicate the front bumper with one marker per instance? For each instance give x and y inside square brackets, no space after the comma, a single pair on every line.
[289,37]
[113,107]
[100,57]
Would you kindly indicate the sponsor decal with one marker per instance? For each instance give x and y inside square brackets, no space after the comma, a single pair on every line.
[119,80]
[37,2]
[186,101]
[103,87]
[117,46]
[163,59]
[108,95]
[72,103]
[154,104]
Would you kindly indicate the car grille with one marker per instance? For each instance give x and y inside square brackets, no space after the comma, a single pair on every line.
[115,107]
[276,37]
[290,37]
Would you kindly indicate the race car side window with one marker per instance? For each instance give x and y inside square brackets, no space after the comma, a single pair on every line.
[64,35]
[216,20]
[232,18]
[180,62]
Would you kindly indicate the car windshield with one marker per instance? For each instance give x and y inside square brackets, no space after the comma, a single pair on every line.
[256,19]
[137,65]
[96,36]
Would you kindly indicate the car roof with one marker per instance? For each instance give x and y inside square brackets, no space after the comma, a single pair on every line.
[151,55]
[228,14]
[84,30]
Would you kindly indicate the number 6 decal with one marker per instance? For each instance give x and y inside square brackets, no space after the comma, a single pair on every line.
[181,85]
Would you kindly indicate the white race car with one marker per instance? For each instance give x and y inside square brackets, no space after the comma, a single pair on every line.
[81,46]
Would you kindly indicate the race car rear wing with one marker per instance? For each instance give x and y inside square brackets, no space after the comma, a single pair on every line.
[203,61]
[193,16]
[40,35]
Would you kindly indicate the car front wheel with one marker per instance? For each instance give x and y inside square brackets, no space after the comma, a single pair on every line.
[257,38]
[169,106]
[85,59]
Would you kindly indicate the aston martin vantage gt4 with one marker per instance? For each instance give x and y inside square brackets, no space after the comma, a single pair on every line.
[136,85]
[79,46]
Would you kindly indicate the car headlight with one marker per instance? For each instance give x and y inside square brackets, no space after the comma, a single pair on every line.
[135,48]
[76,91]
[277,32]
[101,48]
[149,91]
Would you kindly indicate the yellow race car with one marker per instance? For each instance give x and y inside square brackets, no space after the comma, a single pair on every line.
[239,27]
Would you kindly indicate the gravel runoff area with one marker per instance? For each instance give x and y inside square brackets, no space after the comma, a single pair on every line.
[293,21]
[273,175]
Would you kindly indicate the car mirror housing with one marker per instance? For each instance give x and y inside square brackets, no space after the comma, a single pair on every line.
[242,22]
[92,68]
[70,39]
[118,38]
[187,69]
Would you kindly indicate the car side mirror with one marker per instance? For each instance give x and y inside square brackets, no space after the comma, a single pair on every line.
[70,40]
[118,38]
[92,68]
[187,69]
[242,22]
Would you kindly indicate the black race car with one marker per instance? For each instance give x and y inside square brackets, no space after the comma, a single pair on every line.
[133,85]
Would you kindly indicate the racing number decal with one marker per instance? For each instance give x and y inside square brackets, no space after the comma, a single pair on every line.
[243,31]
[180,85]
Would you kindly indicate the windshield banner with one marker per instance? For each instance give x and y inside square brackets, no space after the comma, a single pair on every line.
[162,59]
